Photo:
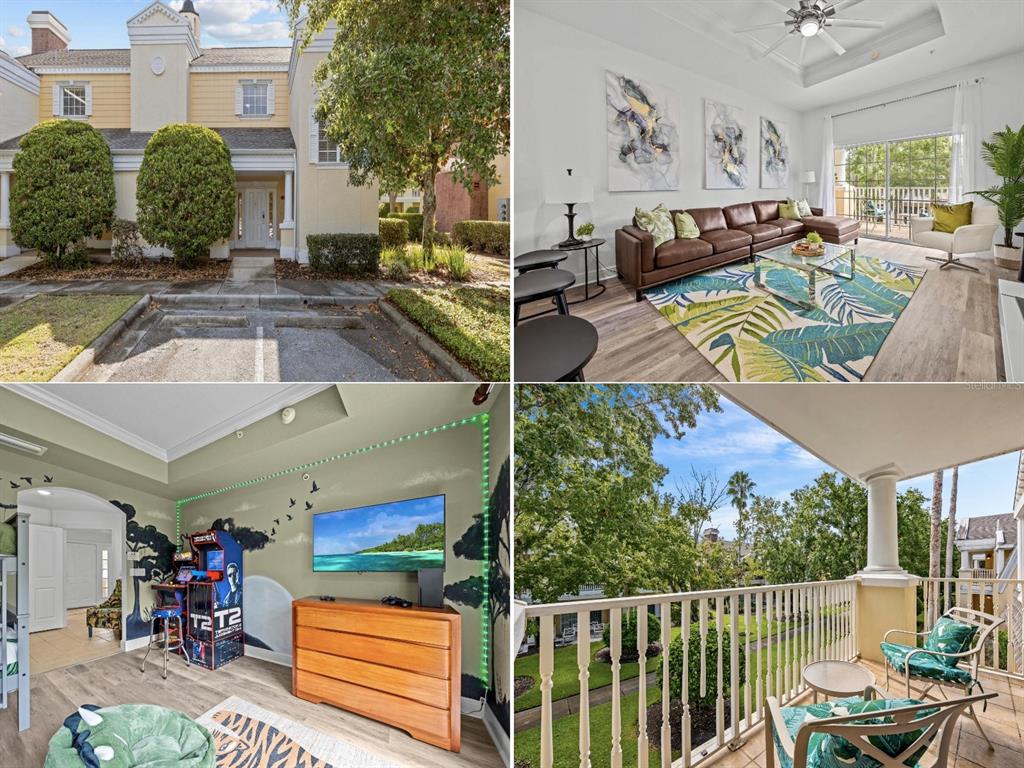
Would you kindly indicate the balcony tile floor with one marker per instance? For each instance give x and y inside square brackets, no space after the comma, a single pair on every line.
[1003,721]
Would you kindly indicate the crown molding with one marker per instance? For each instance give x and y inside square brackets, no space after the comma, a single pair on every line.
[17,73]
[239,68]
[282,397]
[55,70]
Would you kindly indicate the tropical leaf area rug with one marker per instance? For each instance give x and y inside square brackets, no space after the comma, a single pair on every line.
[248,736]
[751,335]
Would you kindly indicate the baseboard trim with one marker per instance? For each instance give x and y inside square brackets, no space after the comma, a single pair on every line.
[498,735]
[274,657]
[134,645]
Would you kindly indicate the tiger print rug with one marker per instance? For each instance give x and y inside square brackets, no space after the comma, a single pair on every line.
[248,736]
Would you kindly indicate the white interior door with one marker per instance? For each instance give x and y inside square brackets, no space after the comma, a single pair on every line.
[46,578]
[257,218]
[82,575]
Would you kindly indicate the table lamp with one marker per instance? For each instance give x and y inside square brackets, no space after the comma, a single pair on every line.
[566,189]
[807,177]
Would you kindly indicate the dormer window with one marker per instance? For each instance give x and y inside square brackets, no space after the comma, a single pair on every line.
[254,98]
[72,100]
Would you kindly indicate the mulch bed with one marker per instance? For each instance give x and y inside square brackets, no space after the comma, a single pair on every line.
[149,270]
[702,724]
[523,683]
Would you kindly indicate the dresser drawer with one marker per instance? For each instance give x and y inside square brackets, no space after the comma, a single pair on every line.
[424,659]
[403,627]
[398,682]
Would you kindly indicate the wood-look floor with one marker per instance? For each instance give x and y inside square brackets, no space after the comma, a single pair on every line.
[949,331]
[193,690]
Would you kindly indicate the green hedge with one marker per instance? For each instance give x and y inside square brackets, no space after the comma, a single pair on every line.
[344,253]
[394,233]
[629,649]
[415,221]
[486,236]
[383,210]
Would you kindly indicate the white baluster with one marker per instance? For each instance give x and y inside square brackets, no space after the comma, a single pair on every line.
[642,747]
[547,659]
[787,612]
[815,625]
[748,617]
[583,662]
[702,617]
[779,633]
[616,651]
[734,667]
[720,698]
[760,697]
[685,634]
[666,725]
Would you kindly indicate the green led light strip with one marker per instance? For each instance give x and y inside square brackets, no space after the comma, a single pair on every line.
[484,422]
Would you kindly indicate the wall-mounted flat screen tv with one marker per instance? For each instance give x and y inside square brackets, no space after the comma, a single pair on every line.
[395,536]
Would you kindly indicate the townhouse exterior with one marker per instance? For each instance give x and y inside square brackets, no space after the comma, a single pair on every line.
[291,179]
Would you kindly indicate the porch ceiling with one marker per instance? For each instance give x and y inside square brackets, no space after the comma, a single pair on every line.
[918,429]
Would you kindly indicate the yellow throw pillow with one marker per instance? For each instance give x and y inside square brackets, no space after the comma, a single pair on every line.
[658,222]
[788,211]
[686,227]
[949,217]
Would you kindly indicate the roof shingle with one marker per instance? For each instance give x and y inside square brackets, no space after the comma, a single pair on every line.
[121,57]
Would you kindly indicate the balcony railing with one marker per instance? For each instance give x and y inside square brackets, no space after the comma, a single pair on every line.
[978,573]
[1003,598]
[872,205]
[777,630]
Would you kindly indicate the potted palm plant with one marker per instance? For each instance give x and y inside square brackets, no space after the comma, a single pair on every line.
[1004,154]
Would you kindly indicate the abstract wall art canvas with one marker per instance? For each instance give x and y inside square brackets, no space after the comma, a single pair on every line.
[774,154]
[643,140]
[725,147]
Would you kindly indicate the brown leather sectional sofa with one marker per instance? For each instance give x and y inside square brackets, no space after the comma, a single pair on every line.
[727,234]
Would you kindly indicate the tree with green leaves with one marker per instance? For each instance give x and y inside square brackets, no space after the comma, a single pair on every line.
[588,506]
[414,87]
[739,488]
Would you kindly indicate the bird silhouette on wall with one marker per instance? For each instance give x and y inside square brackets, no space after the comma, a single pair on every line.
[26,479]
[308,506]
[291,503]
[315,487]
[289,517]
[47,479]
[13,484]
[277,521]
[273,531]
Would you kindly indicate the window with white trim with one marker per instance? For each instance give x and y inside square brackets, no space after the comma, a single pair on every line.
[328,151]
[255,99]
[72,101]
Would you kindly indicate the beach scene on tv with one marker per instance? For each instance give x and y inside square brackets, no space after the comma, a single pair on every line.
[395,536]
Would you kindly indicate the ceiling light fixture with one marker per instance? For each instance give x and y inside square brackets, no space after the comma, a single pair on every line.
[809,27]
[17,444]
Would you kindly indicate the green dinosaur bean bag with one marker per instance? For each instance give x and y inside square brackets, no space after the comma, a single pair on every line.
[130,736]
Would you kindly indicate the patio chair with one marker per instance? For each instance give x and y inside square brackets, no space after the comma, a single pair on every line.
[872,730]
[874,213]
[959,635]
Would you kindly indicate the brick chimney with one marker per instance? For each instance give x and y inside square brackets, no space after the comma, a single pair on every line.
[48,32]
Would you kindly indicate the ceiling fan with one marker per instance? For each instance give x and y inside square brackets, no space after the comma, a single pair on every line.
[810,20]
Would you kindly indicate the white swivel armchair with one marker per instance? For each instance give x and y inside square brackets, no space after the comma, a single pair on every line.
[970,238]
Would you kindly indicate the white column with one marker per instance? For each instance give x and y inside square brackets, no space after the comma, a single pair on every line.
[289,219]
[883,542]
[5,200]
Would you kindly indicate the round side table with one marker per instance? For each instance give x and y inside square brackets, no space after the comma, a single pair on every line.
[837,678]
[585,246]
[554,348]
[542,284]
[539,260]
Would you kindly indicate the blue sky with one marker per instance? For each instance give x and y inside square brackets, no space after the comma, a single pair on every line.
[101,23]
[734,440]
[353,530]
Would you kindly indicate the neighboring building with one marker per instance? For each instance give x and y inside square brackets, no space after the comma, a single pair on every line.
[291,180]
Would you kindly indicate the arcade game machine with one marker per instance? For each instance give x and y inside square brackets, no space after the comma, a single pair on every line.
[213,600]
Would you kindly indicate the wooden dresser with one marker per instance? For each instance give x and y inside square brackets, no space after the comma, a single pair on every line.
[401,666]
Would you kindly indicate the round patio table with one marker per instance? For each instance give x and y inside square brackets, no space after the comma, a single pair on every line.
[539,260]
[837,678]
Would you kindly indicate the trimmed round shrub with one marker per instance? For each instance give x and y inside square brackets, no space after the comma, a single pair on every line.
[344,253]
[415,225]
[629,651]
[394,233]
[485,236]
[63,190]
[675,667]
[186,191]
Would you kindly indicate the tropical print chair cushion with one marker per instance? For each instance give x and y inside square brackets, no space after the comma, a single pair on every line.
[828,751]
[950,636]
[106,615]
[924,665]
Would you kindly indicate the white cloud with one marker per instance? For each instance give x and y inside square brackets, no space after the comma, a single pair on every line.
[300,538]
[245,32]
[235,22]
[15,31]
[759,439]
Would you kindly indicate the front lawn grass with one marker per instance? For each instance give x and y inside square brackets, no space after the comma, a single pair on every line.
[471,323]
[40,336]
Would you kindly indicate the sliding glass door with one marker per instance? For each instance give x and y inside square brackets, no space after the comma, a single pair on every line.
[885,183]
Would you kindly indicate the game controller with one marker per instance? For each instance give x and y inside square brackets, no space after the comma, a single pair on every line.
[327,598]
[396,601]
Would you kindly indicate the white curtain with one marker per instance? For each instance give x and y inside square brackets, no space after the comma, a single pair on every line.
[826,197]
[965,137]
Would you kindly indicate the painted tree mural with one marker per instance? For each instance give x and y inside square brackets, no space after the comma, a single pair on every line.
[153,553]
[248,538]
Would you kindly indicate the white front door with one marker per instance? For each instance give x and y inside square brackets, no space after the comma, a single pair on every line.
[46,578]
[82,576]
[256,218]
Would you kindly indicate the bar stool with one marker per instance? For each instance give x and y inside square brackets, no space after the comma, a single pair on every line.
[166,613]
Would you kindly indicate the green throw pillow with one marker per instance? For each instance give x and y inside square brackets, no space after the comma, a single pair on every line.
[949,217]
[8,545]
[788,211]
[658,222]
[686,227]
[949,636]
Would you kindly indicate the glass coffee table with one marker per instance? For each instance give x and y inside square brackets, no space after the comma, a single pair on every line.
[838,260]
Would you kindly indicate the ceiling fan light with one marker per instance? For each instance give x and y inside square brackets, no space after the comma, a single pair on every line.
[809,27]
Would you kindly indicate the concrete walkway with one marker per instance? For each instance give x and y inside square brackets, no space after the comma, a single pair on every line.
[12,264]
[530,718]
[250,274]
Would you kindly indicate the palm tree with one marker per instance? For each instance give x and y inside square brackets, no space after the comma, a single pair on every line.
[738,490]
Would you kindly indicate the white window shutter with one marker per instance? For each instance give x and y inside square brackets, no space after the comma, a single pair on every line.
[270,97]
[238,99]
[314,137]
[88,99]
[56,99]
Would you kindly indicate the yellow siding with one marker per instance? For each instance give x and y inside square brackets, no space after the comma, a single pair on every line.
[211,99]
[111,98]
